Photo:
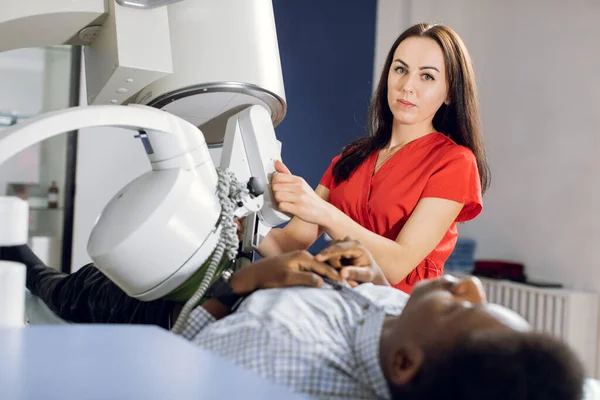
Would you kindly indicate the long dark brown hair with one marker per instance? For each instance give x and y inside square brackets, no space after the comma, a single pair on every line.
[459,120]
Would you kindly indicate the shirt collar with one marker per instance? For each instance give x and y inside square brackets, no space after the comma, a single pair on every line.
[366,348]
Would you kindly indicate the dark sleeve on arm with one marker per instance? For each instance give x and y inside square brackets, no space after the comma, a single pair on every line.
[87,295]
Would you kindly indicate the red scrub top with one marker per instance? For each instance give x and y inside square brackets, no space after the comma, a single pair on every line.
[431,166]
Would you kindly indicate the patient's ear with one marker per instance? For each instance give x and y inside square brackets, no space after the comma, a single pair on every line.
[406,362]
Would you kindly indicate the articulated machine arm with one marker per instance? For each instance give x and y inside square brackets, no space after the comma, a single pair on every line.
[157,230]
[181,74]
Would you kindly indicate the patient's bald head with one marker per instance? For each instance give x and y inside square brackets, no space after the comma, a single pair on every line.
[496,365]
[450,343]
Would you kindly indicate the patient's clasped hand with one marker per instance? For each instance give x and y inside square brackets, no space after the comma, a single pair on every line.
[331,327]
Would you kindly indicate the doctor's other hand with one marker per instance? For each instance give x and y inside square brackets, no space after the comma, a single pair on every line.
[294,196]
[298,268]
[354,261]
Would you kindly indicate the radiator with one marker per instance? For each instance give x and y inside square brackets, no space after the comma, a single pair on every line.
[569,315]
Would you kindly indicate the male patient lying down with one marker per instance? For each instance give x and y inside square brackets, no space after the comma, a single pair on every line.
[303,326]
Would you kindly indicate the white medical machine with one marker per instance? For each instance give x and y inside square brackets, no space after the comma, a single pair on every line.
[180,75]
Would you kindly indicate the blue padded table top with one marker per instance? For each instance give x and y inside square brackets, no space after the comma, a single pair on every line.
[119,362]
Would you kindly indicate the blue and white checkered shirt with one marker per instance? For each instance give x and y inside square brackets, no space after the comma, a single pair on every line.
[322,342]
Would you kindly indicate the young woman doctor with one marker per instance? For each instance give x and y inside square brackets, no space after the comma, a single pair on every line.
[422,169]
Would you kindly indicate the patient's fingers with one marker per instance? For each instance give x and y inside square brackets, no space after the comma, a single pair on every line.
[334,261]
[337,255]
[310,264]
[303,278]
[358,274]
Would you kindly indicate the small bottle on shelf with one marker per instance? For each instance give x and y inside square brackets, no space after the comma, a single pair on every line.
[53,195]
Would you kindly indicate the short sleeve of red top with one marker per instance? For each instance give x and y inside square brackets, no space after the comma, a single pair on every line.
[431,166]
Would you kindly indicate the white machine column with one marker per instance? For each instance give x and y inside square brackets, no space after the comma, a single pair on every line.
[14,222]
[225,58]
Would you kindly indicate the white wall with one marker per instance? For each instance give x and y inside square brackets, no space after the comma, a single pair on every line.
[536,63]
[393,16]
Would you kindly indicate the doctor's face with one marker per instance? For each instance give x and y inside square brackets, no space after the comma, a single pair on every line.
[417,85]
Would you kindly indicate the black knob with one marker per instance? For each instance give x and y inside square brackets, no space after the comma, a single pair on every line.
[255,186]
